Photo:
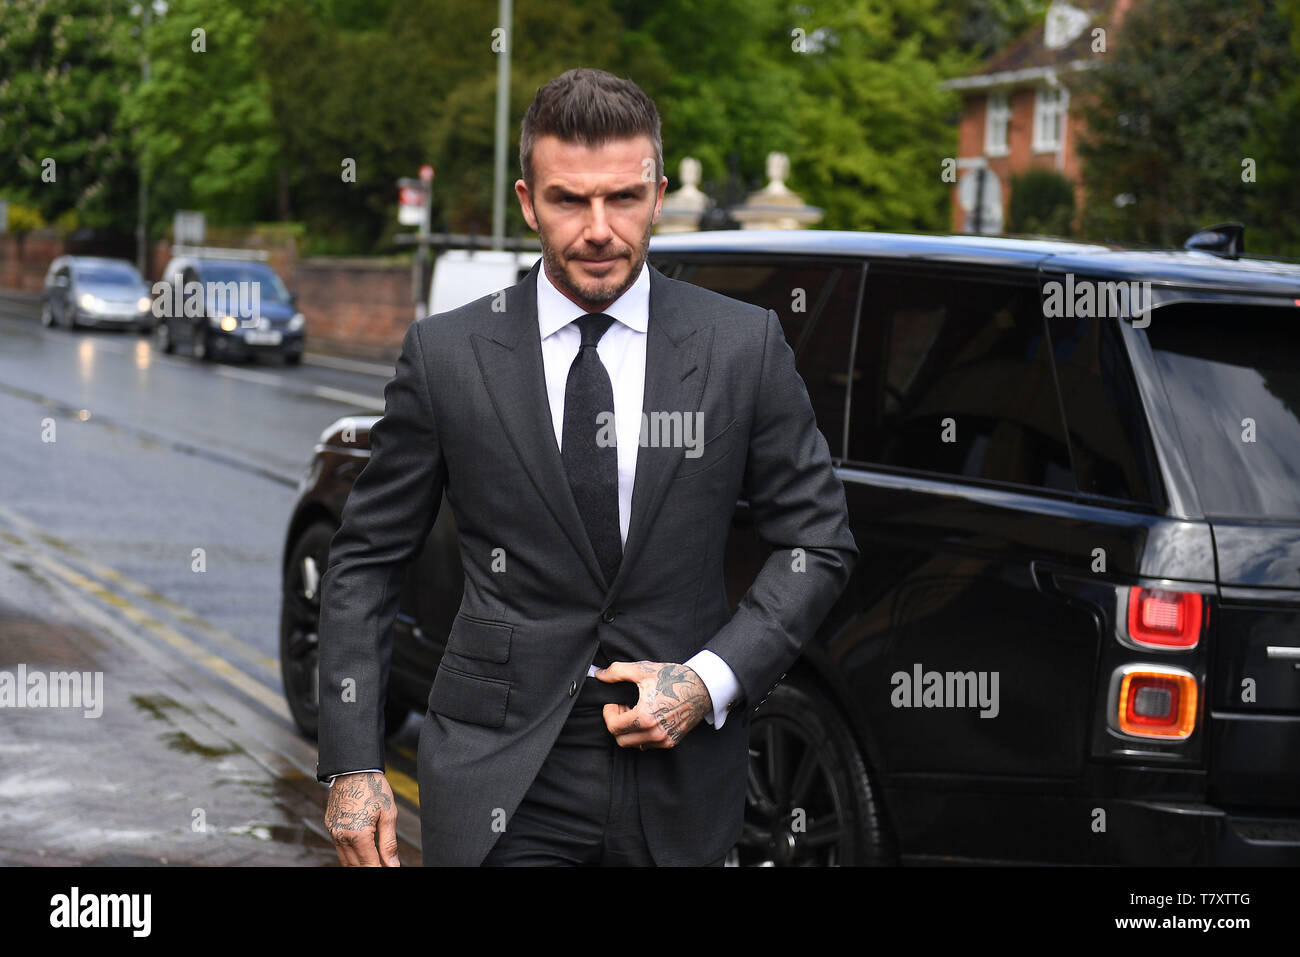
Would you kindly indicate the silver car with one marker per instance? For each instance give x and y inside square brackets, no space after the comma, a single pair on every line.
[95,291]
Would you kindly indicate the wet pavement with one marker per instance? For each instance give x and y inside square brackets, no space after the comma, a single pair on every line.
[173,770]
[193,759]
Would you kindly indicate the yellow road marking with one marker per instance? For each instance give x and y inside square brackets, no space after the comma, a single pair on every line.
[401,783]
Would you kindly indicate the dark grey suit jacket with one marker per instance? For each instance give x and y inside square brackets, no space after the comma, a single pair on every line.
[467,411]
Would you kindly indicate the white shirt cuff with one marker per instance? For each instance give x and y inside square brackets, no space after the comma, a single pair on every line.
[362,771]
[721,682]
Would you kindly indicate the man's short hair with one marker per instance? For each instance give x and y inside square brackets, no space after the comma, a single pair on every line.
[590,107]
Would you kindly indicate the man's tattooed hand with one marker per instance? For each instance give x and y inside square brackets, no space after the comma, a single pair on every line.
[360,812]
[673,700]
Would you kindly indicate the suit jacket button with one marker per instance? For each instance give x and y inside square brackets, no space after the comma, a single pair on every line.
[608,616]
[573,688]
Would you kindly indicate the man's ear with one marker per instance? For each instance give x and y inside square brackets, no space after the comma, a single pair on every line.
[526,204]
[659,198]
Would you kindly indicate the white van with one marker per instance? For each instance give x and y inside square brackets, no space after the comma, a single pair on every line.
[463,275]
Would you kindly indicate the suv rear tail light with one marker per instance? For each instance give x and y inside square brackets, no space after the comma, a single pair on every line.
[1152,701]
[1158,618]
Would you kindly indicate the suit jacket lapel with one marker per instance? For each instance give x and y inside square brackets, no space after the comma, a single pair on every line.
[509,356]
[676,360]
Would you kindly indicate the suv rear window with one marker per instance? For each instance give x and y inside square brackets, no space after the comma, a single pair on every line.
[1232,375]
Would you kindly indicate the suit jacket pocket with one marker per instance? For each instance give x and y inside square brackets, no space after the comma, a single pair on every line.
[713,451]
[465,697]
[480,638]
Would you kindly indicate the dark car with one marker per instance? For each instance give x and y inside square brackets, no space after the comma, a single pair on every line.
[217,306]
[95,291]
[1073,633]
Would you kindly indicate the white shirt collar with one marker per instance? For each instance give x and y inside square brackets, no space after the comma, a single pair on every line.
[554,310]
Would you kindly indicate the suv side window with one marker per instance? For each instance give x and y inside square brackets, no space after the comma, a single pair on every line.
[815,301]
[961,379]
[1109,439]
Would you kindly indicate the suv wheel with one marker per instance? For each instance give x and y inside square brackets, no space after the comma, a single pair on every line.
[200,348]
[299,620]
[47,316]
[809,801]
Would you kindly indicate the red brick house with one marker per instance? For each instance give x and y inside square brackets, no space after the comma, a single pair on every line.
[1016,111]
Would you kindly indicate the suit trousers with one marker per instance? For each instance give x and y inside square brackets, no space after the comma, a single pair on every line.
[582,808]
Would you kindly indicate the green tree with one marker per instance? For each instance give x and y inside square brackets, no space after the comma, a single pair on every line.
[64,67]
[1042,203]
[1170,118]
[1273,202]
[874,124]
[983,27]
[202,121]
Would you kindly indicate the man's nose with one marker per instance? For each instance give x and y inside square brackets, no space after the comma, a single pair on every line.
[598,232]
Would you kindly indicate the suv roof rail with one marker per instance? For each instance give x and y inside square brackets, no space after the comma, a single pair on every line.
[215,252]
[1226,240]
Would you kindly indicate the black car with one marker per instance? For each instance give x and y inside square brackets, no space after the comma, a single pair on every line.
[95,291]
[218,306]
[1073,633]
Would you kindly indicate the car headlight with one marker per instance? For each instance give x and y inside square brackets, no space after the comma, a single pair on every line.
[143,304]
[89,303]
[297,322]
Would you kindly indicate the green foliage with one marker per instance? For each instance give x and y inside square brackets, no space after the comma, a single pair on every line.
[874,125]
[23,219]
[64,65]
[1176,113]
[1042,203]
[259,124]
[983,27]
[1272,208]
[202,121]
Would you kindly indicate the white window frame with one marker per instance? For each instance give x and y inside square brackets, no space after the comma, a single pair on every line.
[997,121]
[1050,117]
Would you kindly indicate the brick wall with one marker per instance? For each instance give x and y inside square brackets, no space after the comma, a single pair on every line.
[24,261]
[354,305]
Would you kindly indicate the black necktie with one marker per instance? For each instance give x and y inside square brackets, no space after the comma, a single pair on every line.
[587,447]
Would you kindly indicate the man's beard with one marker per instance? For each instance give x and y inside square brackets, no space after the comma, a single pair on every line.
[603,292]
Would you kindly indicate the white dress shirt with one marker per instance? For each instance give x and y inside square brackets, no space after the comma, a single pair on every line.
[622,352]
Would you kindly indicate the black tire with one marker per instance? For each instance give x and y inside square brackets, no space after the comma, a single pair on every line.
[47,316]
[809,800]
[162,338]
[200,348]
[292,358]
[299,620]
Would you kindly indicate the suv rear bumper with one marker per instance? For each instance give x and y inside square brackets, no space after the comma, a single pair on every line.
[948,827]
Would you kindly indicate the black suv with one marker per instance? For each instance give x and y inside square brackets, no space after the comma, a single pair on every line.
[1073,634]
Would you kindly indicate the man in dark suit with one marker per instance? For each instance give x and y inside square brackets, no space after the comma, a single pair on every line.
[592,427]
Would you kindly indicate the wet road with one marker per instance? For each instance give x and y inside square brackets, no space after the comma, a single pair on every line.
[143,504]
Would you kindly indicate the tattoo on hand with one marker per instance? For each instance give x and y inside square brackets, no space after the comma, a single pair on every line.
[677,699]
[356,802]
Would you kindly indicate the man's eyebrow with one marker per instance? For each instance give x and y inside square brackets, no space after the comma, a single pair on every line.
[637,188]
